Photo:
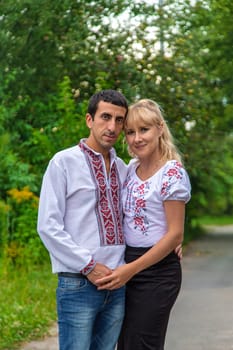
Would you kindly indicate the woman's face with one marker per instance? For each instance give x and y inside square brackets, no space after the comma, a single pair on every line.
[143,138]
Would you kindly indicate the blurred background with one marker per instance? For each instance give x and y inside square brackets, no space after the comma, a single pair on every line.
[53,56]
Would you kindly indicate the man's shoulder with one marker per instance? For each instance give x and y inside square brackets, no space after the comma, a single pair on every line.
[67,152]
[122,168]
[121,162]
[67,157]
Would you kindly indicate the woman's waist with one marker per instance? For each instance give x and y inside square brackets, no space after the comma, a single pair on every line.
[133,253]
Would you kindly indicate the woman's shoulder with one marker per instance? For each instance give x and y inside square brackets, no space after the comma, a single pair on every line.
[173,163]
[175,183]
[173,168]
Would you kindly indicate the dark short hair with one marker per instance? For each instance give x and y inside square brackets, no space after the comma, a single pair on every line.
[111,96]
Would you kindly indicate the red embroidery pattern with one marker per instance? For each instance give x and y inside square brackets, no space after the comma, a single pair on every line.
[88,268]
[135,203]
[108,207]
[170,176]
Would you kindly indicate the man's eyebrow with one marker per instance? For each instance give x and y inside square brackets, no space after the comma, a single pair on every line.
[106,113]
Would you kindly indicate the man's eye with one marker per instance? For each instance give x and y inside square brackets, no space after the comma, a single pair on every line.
[106,116]
[120,120]
[129,132]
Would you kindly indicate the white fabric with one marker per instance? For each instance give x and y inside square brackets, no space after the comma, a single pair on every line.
[144,221]
[67,220]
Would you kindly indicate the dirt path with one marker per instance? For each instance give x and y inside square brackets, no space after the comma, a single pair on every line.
[48,343]
[203,315]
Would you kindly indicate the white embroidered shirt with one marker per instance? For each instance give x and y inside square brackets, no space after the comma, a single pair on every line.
[144,216]
[80,211]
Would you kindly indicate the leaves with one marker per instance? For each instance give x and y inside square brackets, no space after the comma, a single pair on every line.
[55,55]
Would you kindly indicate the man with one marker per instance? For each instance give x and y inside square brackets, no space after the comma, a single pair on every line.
[80,223]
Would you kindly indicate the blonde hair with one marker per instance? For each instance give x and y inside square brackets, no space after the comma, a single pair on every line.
[150,113]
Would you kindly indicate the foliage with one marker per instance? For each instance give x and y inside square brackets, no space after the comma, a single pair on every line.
[54,56]
[60,133]
[211,29]
[213,220]
[23,248]
[4,210]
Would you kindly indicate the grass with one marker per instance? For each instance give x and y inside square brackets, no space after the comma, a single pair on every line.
[27,304]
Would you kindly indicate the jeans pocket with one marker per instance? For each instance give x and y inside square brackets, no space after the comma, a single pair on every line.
[71,284]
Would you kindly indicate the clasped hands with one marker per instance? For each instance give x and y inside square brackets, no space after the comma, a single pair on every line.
[118,278]
[104,278]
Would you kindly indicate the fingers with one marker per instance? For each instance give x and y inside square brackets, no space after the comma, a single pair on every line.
[108,282]
[109,286]
[179,251]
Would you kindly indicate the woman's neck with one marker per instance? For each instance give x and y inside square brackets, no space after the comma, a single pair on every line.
[146,169]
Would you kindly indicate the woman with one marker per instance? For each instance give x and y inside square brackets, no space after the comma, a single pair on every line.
[154,197]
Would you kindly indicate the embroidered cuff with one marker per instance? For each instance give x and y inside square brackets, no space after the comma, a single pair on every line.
[87,269]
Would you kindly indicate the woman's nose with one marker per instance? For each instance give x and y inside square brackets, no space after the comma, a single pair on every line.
[137,137]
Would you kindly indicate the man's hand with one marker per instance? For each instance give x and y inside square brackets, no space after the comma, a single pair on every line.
[98,272]
[179,251]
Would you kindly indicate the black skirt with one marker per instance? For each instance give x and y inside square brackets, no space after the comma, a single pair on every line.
[150,296]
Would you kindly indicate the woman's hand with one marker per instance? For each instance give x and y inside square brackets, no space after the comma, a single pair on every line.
[117,279]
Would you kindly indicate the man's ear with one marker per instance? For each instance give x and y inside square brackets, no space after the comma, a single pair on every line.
[89,120]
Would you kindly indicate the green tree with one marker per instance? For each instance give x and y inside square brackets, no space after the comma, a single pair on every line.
[54,55]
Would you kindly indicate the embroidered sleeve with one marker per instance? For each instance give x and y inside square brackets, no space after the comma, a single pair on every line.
[175,183]
[87,269]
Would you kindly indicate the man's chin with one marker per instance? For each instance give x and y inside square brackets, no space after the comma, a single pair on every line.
[109,142]
[108,145]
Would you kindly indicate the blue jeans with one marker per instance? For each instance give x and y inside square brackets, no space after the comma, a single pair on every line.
[88,319]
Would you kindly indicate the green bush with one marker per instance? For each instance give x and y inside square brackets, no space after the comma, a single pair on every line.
[23,246]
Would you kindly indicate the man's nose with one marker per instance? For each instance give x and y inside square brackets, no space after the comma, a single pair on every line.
[112,125]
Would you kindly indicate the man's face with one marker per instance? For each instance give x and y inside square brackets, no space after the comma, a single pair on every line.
[106,126]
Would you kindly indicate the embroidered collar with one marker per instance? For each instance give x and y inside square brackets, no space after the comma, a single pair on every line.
[85,147]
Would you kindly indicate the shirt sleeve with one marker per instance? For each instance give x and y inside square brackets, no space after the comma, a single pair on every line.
[51,226]
[175,183]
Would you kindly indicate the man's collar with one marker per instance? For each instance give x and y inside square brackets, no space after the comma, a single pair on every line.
[86,147]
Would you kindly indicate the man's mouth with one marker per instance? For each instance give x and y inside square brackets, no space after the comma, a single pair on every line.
[112,136]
